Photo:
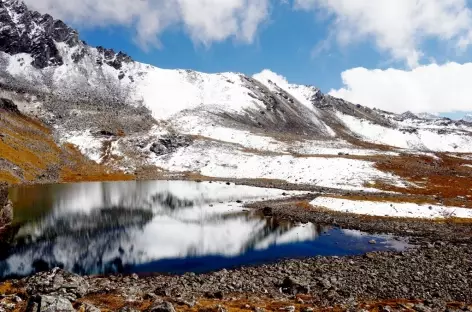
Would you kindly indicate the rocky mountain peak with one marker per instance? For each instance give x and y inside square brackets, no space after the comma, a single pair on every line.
[25,31]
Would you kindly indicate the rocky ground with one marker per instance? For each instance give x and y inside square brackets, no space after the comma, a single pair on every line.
[435,275]
[440,274]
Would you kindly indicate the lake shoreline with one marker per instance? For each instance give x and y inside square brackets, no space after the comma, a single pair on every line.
[433,276]
[428,277]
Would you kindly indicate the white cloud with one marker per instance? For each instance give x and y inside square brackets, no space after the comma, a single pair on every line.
[267,74]
[206,21]
[431,88]
[398,27]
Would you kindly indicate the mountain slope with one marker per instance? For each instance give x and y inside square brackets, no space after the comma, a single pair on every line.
[159,122]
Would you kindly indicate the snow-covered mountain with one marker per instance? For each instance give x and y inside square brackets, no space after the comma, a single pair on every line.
[132,115]
[467,117]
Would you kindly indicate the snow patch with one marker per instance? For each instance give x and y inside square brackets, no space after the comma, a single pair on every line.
[391,209]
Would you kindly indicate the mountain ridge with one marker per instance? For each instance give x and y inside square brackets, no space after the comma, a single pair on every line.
[129,115]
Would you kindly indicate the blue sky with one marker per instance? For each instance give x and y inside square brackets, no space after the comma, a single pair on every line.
[391,54]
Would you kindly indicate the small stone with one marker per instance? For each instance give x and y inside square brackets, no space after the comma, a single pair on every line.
[288,308]
[161,307]
[370,255]
[267,211]
[150,296]
[134,276]
[189,303]
[87,307]
[128,309]
[372,242]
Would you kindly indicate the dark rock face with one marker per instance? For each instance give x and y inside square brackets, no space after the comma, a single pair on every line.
[8,105]
[169,144]
[6,211]
[25,31]
[115,60]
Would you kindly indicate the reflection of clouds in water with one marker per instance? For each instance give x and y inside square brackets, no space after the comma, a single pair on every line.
[353,233]
[93,224]
[88,196]
[387,240]
[102,227]
[300,233]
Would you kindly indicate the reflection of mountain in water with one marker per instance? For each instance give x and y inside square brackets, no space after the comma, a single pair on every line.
[151,223]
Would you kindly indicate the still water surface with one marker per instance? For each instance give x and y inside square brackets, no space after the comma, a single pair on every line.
[159,226]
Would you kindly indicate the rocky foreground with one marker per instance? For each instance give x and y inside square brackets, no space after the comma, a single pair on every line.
[435,275]
[440,274]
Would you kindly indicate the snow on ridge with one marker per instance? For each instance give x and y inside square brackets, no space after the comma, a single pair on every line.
[167,92]
[391,209]
[301,93]
[420,139]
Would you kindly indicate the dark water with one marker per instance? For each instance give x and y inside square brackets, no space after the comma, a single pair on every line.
[158,226]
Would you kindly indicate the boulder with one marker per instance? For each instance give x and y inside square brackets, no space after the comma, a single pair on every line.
[57,282]
[55,304]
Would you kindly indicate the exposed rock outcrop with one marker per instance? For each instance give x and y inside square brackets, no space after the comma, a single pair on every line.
[26,31]
[170,143]
[8,105]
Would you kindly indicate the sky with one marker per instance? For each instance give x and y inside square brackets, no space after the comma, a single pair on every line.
[395,55]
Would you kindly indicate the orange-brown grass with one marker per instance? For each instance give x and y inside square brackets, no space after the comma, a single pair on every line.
[304,204]
[29,145]
[444,177]
[26,144]
[83,169]
[111,302]
[7,176]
